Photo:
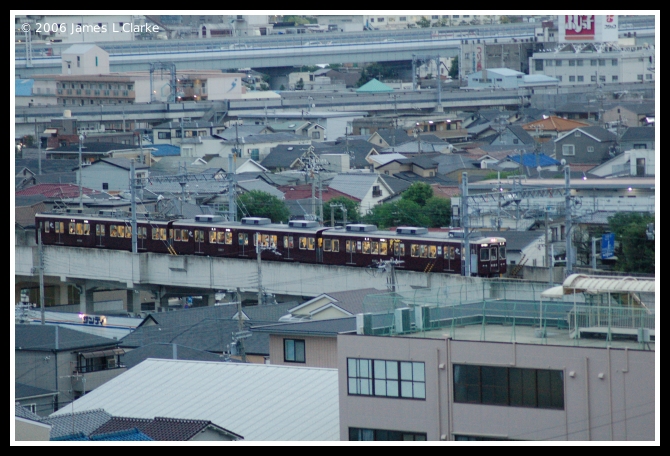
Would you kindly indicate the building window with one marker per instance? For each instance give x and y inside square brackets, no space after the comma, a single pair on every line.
[559,62]
[572,79]
[376,191]
[615,78]
[593,79]
[568,149]
[648,75]
[594,62]
[578,134]
[560,78]
[294,350]
[489,385]
[580,63]
[572,62]
[549,63]
[615,62]
[316,135]
[539,65]
[164,135]
[378,377]
[105,186]
[380,435]
[602,78]
[639,77]
[580,78]
[590,148]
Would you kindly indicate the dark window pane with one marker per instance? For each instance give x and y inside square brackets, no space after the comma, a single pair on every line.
[515,387]
[544,388]
[557,389]
[529,388]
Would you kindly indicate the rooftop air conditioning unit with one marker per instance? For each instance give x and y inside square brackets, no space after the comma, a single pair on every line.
[364,324]
[361,227]
[208,218]
[303,224]
[422,317]
[256,221]
[643,335]
[402,320]
[411,230]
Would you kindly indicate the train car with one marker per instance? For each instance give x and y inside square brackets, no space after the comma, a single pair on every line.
[302,241]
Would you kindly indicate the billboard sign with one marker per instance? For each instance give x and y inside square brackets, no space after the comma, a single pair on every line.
[588,28]
[607,246]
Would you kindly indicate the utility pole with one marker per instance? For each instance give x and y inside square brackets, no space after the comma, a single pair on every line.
[232,201]
[465,254]
[568,223]
[41,270]
[133,206]
[240,327]
[39,150]
[81,202]
[546,238]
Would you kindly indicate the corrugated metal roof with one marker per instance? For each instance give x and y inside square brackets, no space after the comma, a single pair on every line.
[598,284]
[356,185]
[260,402]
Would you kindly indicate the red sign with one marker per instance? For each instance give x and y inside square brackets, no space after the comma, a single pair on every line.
[579,27]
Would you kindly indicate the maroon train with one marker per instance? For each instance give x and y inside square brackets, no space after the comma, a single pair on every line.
[301,241]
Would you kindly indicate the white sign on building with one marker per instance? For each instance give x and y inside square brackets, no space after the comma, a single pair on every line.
[588,28]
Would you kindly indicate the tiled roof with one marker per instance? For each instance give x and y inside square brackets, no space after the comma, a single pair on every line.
[554,123]
[85,422]
[159,429]
[166,351]
[355,184]
[21,390]
[23,412]
[261,402]
[56,190]
[397,185]
[43,338]
[639,134]
[521,133]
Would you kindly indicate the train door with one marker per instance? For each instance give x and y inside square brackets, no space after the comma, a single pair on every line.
[449,255]
[350,249]
[243,241]
[199,239]
[319,250]
[141,237]
[493,264]
[288,247]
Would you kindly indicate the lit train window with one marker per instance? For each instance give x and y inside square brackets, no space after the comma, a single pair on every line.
[143,232]
[60,227]
[212,237]
[229,238]
[129,231]
[71,228]
[432,251]
[350,246]
[415,250]
[177,235]
[162,234]
[375,247]
[199,235]
[310,243]
[99,230]
[154,234]
[484,255]
[336,245]
[220,237]
[79,228]
[399,249]
[288,242]
[423,251]
[366,247]
[494,253]
[327,245]
[502,252]
[112,230]
[303,243]
[184,235]
[383,249]
[243,238]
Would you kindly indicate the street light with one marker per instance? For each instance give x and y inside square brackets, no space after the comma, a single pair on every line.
[417,134]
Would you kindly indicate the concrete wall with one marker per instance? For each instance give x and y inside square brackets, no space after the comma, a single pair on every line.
[30,431]
[608,393]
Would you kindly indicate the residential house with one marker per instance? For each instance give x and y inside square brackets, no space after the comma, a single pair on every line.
[551,127]
[631,114]
[64,360]
[83,421]
[38,400]
[312,130]
[585,145]
[328,306]
[92,151]
[308,343]
[289,404]
[171,429]
[369,188]
[638,138]
[422,165]
[589,112]
[172,132]
[160,350]
[28,426]
[514,135]
[631,162]
[111,174]
[385,137]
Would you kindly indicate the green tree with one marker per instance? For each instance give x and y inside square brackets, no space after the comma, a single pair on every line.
[419,192]
[453,70]
[635,252]
[397,213]
[375,70]
[261,204]
[352,207]
[438,210]
[297,20]
[424,22]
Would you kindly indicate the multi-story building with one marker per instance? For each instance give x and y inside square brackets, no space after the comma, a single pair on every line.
[501,365]
[573,64]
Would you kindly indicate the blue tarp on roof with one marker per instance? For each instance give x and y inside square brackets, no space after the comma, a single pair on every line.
[23,87]
[534,160]
[165,150]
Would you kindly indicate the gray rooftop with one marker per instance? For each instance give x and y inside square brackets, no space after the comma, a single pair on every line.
[43,338]
[166,351]
[84,422]
[639,134]
[330,327]
[354,184]
[21,390]
[516,240]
